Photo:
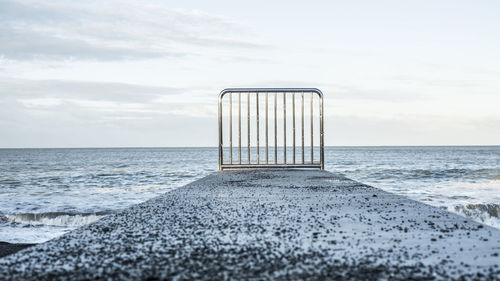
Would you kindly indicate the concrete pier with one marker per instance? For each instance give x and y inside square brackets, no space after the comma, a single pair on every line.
[269,225]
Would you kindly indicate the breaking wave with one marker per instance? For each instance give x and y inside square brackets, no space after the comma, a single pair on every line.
[53,218]
[485,213]
[492,210]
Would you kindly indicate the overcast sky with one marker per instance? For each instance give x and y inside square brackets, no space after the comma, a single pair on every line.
[147,73]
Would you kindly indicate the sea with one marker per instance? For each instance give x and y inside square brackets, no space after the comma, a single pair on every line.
[45,193]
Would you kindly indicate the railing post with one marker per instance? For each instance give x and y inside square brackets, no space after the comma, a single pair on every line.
[221,95]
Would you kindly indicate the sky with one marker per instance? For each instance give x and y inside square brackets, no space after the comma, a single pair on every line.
[148,73]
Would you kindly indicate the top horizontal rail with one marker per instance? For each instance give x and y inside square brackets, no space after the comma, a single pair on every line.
[269,90]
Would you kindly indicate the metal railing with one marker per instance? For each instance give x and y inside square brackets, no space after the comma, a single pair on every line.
[278,116]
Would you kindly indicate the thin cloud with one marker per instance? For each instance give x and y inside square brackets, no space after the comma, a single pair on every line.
[86,101]
[345,91]
[11,88]
[27,45]
[36,30]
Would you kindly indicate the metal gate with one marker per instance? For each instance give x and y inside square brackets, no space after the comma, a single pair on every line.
[265,145]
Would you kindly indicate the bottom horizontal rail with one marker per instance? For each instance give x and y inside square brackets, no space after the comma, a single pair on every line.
[267,166]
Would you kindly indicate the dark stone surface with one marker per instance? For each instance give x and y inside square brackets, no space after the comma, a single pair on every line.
[269,225]
[9,248]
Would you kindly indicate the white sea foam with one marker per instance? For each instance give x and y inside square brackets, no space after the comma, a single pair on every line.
[14,234]
[486,213]
[51,219]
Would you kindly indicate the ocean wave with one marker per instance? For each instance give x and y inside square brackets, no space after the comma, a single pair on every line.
[484,213]
[433,174]
[9,181]
[114,174]
[478,210]
[53,218]
[459,197]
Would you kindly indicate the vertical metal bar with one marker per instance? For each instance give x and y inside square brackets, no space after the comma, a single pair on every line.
[293,122]
[258,128]
[267,129]
[248,126]
[302,127]
[321,145]
[239,127]
[230,128]
[312,131]
[284,127]
[275,128]
[220,131]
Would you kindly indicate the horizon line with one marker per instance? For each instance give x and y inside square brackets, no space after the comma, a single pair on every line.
[216,147]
